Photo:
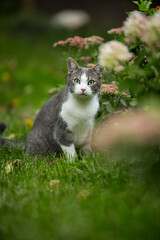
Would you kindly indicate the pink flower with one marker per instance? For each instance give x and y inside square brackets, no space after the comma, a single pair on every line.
[152,35]
[76,42]
[85,58]
[73,42]
[59,43]
[80,42]
[90,65]
[119,68]
[94,40]
[109,88]
[113,54]
[117,31]
[135,26]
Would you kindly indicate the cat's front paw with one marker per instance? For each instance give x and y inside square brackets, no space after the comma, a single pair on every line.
[70,152]
[71,158]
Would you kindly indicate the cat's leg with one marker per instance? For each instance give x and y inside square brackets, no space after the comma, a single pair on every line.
[65,139]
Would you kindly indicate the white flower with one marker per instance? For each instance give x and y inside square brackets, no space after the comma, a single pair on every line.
[113,54]
[70,19]
[135,26]
[152,35]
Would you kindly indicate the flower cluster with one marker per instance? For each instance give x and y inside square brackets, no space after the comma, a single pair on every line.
[109,88]
[60,43]
[135,26]
[90,65]
[85,58]
[113,54]
[94,40]
[117,31]
[152,34]
[80,42]
[73,42]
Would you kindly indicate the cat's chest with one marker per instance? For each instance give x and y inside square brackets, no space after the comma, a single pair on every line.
[79,117]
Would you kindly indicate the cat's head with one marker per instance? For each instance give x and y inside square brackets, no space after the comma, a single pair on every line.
[84,82]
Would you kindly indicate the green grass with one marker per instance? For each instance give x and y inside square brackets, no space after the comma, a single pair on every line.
[114,204]
[111,196]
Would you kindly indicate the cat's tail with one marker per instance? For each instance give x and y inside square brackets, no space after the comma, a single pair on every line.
[2,128]
[9,142]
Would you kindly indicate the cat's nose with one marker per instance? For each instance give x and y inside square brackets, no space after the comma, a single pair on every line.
[83,89]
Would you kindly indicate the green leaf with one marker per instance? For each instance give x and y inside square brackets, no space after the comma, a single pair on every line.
[152,10]
[136,2]
[123,102]
[143,6]
[148,6]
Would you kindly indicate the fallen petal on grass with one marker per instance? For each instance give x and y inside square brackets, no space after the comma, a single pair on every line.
[11,136]
[83,194]
[9,168]
[54,182]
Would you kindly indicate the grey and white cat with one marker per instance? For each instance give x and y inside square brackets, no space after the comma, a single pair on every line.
[65,122]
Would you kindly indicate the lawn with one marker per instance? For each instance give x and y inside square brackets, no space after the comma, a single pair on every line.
[104,196]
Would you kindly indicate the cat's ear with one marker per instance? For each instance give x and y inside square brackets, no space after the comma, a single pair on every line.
[98,69]
[72,65]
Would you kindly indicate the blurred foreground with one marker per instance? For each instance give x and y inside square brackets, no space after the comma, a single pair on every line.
[134,127]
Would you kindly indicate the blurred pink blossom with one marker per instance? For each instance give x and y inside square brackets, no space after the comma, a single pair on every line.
[109,88]
[59,43]
[85,58]
[80,42]
[90,65]
[152,34]
[135,26]
[75,41]
[117,31]
[113,55]
[94,40]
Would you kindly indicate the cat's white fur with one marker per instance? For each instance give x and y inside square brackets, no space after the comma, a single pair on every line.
[79,115]
[70,151]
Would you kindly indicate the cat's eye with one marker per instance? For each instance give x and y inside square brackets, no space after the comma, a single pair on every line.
[91,82]
[77,81]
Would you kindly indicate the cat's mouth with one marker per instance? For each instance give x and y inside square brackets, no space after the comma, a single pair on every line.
[82,95]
